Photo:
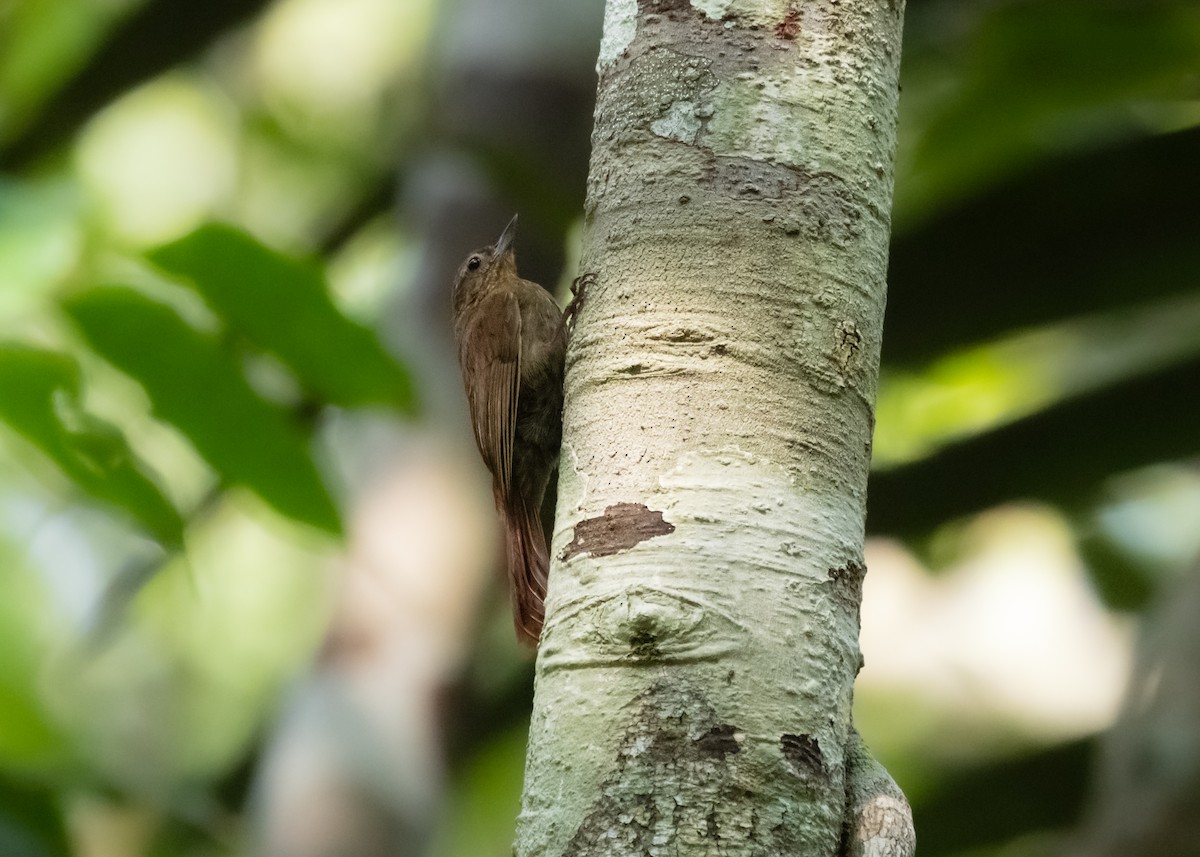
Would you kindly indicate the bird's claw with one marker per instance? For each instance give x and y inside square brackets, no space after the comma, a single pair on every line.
[579,287]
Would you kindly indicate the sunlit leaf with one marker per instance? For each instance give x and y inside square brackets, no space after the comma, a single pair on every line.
[41,45]
[1059,455]
[283,306]
[30,738]
[39,398]
[198,386]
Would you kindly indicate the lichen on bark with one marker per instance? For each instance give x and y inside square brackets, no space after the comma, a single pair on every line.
[694,683]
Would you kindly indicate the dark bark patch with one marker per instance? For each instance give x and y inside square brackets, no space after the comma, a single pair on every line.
[646,87]
[804,754]
[847,346]
[620,528]
[678,770]
[719,740]
[847,581]
[636,809]
[741,177]
[789,27]
[711,829]
[665,7]
[675,10]
[849,339]
[817,204]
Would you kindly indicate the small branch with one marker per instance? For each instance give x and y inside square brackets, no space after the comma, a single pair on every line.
[878,820]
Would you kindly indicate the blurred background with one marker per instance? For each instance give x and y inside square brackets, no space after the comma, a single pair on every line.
[248,591]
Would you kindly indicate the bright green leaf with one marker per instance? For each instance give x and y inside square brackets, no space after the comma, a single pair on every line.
[30,737]
[198,386]
[39,398]
[283,306]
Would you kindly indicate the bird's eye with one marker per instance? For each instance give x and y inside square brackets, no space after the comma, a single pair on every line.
[473,262]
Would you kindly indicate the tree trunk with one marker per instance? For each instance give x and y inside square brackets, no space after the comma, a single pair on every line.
[695,676]
[1146,798]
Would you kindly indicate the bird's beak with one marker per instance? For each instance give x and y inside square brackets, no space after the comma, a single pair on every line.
[504,242]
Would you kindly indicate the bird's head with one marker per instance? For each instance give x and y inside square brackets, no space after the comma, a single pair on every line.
[486,267]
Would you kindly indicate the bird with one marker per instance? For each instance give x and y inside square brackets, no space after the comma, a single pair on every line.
[511,338]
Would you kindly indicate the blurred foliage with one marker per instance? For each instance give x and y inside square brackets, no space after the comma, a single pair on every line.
[284,307]
[173,351]
[30,821]
[39,398]
[991,89]
[483,807]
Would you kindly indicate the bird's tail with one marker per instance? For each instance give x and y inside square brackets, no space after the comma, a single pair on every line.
[528,568]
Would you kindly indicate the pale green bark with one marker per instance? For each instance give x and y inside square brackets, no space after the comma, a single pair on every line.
[695,676]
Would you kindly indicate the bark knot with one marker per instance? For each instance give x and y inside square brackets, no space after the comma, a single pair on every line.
[847,581]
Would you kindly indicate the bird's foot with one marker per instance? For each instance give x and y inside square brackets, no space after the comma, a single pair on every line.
[579,288]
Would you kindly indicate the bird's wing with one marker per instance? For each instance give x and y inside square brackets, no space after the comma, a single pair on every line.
[490,352]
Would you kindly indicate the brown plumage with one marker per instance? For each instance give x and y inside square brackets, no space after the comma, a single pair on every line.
[511,345]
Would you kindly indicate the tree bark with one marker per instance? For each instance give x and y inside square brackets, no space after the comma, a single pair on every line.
[695,677]
[1146,798]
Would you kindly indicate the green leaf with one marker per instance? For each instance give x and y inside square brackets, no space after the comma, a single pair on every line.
[998,802]
[198,386]
[31,739]
[283,306]
[31,822]
[1056,242]
[1059,455]
[990,88]
[39,398]
[1120,579]
[485,800]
